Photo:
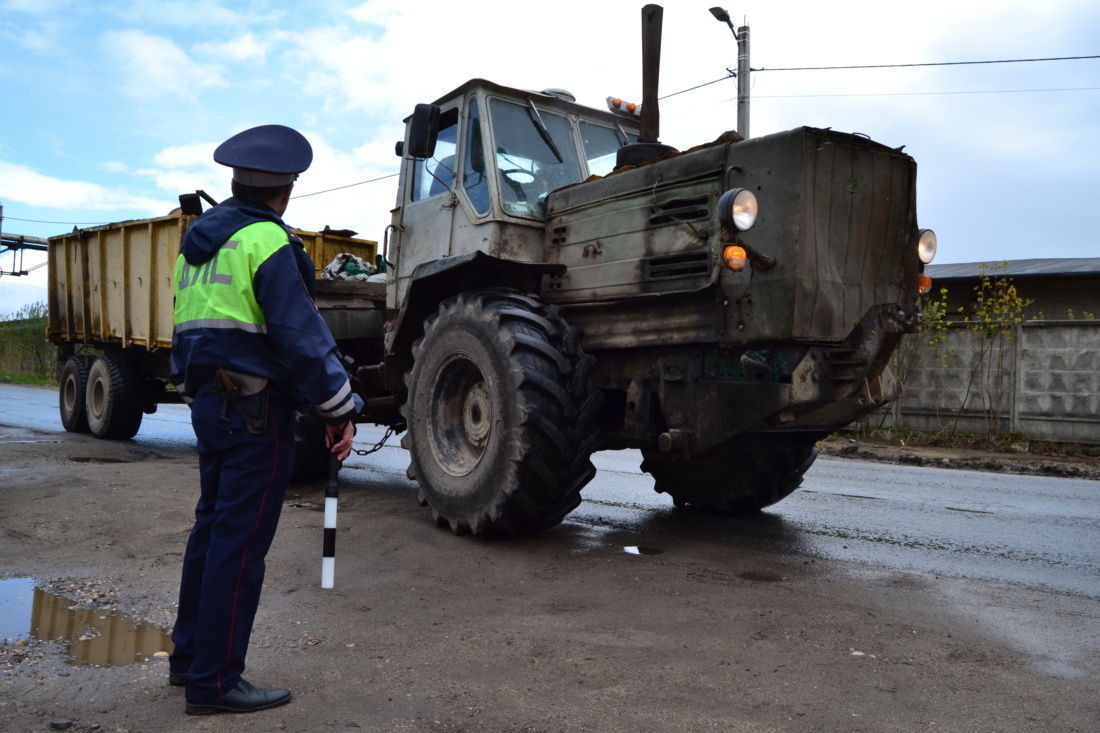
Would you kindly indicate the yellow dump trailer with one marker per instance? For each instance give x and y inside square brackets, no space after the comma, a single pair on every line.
[110,290]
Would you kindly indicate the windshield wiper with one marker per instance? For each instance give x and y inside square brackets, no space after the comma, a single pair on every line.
[541,127]
[626,138]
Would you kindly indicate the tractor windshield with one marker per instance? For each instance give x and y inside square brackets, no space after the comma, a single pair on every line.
[536,152]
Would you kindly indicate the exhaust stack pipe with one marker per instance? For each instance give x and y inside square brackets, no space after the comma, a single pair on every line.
[648,146]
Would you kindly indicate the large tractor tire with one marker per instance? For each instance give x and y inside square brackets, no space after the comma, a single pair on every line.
[114,397]
[311,455]
[72,399]
[729,480]
[501,414]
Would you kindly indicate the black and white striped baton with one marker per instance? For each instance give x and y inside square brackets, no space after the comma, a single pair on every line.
[328,554]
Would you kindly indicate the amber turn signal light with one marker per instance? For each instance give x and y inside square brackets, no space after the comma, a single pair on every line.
[925,284]
[734,257]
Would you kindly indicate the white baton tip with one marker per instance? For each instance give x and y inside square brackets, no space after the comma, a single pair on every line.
[330,513]
[328,570]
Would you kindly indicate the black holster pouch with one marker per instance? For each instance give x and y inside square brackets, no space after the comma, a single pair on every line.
[246,394]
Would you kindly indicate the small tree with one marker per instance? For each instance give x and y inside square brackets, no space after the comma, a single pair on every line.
[913,350]
[23,345]
[998,310]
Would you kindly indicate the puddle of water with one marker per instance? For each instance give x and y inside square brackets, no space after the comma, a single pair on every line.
[95,459]
[638,550]
[16,596]
[93,636]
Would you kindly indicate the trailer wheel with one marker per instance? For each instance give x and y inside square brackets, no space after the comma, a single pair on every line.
[71,398]
[311,455]
[500,414]
[729,480]
[114,397]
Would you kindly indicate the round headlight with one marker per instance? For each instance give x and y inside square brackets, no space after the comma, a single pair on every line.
[737,209]
[926,246]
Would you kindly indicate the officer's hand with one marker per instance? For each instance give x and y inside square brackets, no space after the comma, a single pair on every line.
[338,438]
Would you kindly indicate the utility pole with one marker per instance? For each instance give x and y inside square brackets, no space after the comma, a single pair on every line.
[741,35]
[743,81]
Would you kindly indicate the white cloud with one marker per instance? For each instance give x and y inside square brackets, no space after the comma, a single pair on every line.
[154,66]
[187,168]
[15,293]
[24,185]
[246,47]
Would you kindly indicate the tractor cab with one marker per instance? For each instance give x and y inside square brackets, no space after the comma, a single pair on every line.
[479,164]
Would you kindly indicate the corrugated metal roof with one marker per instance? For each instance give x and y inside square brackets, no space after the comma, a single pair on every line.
[1062,268]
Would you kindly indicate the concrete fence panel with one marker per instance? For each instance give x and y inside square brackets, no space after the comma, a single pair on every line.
[1042,380]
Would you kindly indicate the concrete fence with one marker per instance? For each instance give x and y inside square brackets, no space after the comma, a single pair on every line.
[1041,381]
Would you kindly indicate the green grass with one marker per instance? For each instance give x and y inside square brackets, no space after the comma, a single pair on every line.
[12,378]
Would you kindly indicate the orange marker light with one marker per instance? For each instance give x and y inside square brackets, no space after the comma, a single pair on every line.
[632,107]
[925,284]
[617,102]
[734,257]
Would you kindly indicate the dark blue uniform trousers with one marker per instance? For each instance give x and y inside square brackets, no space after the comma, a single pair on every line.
[243,479]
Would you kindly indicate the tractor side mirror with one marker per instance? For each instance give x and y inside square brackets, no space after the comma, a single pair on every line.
[423,131]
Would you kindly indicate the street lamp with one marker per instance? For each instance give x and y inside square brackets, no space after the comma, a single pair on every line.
[741,35]
[723,15]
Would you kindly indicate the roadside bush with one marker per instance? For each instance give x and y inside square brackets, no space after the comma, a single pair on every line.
[24,350]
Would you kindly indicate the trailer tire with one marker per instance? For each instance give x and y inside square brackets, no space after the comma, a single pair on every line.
[114,397]
[71,399]
[727,480]
[311,455]
[500,414]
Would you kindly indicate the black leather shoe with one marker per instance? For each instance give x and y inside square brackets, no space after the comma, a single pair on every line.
[244,698]
[177,679]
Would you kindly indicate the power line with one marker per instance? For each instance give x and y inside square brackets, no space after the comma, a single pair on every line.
[730,74]
[101,223]
[74,223]
[338,188]
[932,63]
[921,94]
[698,86]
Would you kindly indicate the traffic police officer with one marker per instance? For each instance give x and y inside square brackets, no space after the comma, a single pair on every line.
[248,348]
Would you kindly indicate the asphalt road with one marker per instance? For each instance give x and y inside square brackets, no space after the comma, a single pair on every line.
[877,597]
[1029,533]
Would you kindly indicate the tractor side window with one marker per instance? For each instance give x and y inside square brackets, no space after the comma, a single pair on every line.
[601,145]
[535,154]
[436,175]
[474,179]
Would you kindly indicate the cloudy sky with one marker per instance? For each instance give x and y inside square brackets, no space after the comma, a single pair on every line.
[113,109]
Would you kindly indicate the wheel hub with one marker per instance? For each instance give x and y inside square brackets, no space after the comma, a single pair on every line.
[97,403]
[475,415]
[70,394]
[461,415]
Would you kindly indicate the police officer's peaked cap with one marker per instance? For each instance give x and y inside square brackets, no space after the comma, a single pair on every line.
[266,156]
